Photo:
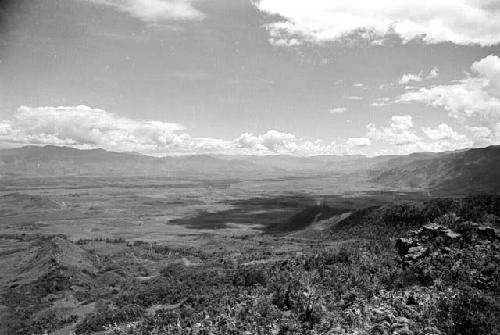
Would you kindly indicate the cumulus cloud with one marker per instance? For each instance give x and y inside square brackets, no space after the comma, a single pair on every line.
[443,132]
[433,73]
[274,141]
[489,69]
[380,102]
[409,77]
[153,11]
[475,100]
[85,127]
[462,22]
[480,132]
[352,97]
[402,137]
[358,141]
[338,110]
[399,132]
[483,136]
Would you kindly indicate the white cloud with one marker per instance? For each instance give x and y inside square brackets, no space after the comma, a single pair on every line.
[274,141]
[462,22]
[358,85]
[443,132]
[380,102]
[409,77]
[338,110]
[82,126]
[403,139]
[433,73]
[154,11]
[399,132]
[480,132]
[85,127]
[484,136]
[358,141]
[352,97]
[475,100]
[489,69]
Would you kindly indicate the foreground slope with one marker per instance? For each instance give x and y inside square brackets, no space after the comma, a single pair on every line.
[411,268]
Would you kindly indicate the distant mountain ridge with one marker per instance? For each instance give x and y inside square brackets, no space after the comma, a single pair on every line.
[464,170]
[472,170]
[66,161]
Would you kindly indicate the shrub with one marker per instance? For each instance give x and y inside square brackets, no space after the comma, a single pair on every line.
[97,321]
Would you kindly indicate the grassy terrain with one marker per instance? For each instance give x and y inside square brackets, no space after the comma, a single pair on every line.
[205,259]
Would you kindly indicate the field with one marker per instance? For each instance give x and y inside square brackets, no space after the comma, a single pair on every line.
[163,209]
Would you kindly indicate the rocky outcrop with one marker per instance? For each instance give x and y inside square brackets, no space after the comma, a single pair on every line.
[438,238]
[468,252]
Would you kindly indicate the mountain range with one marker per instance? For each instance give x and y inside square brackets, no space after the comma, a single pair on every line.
[467,170]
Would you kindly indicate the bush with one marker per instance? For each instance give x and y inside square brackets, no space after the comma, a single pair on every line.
[99,320]
[249,277]
[470,312]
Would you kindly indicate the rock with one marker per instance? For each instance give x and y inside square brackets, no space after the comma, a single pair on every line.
[401,326]
[402,319]
[381,314]
[402,331]
[417,252]
[383,328]
[432,331]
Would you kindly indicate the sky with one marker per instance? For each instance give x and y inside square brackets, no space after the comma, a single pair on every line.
[169,77]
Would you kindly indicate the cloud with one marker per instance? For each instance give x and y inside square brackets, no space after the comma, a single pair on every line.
[403,139]
[85,127]
[461,22]
[338,110]
[274,141]
[489,69]
[154,11]
[399,132]
[433,73]
[352,97]
[380,102]
[484,136]
[475,100]
[480,132]
[443,132]
[409,77]
[358,141]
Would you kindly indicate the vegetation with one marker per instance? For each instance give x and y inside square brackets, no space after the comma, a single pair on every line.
[443,281]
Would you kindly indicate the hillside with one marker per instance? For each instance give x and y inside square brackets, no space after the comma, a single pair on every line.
[473,170]
[420,268]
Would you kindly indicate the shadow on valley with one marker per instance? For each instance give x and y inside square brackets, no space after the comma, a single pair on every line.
[264,212]
[287,213]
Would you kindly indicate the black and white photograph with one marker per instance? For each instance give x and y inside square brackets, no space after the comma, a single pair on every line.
[249,167]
